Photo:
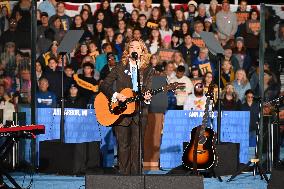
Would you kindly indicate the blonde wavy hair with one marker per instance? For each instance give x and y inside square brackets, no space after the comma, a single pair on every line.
[145,58]
[244,80]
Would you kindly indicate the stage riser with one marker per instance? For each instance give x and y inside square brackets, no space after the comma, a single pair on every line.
[276,179]
[143,182]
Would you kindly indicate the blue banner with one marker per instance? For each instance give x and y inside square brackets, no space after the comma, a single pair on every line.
[178,126]
[81,126]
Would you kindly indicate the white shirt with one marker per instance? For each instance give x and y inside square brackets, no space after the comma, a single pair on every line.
[194,103]
[182,94]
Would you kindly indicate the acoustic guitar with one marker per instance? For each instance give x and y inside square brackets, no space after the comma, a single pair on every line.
[199,154]
[108,113]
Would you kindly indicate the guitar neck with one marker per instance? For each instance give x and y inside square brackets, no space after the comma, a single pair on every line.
[205,116]
[140,97]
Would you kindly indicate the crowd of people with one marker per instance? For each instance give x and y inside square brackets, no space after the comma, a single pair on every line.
[172,36]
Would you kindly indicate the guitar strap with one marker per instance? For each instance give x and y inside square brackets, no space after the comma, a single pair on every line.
[85,84]
[196,139]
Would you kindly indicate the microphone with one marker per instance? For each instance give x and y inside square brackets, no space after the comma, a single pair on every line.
[134,55]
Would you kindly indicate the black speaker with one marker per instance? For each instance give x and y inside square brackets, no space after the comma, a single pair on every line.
[68,158]
[143,182]
[276,180]
[114,182]
[173,182]
[19,118]
[227,158]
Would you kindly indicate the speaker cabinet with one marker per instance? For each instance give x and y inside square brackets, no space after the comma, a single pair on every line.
[276,179]
[228,158]
[68,158]
[143,182]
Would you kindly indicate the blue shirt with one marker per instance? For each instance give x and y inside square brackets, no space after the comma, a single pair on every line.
[45,99]
[48,7]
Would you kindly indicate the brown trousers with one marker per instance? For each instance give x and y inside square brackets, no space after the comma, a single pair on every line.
[152,140]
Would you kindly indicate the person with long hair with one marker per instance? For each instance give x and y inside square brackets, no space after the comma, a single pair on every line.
[106,10]
[144,9]
[126,129]
[229,99]
[167,11]
[155,41]
[164,28]
[241,54]
[241,84]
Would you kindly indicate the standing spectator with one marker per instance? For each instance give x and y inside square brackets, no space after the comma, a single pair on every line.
[133,21]
[198,28]
[192,13]
[241,54]
[155,41]
[208,24]
[4,16]
[189,50]
[227,73]
[109,66]
[179,61]
[253,107]
[203,62]
[74,100]
[48,6]
[171,78]
[242,16]
[88,19]
[42,42]
[39,71]
[108,14]
[178,20]
[241,84]
[5,104]
[271,87]
[209,80]
[183,92]
[93,50]
[44,97]
[121,27]
[76,61]
[53,77]
[228,55]
[155,17]
[229,99]
[175,43]
[164,28]
[226,22]
[60,11]
[197,100]
[101,60]
[87,76]
[79,24]
[12,34]
[52,53]
[99,33]
[57,27]
[185,29]
[167,11]
[119,45]
[145,31]
[201,13]
[143,9]
[213,10]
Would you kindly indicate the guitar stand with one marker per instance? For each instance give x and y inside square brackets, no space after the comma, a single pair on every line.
[256,168]
[4,149]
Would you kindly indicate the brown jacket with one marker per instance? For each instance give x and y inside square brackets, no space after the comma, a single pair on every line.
[120,77]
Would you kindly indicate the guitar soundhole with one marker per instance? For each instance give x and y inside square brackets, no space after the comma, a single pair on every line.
[202,139]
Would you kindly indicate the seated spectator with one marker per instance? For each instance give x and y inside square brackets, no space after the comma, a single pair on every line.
[44,97]
[241,84]
[227,73]
[197,100]
[229,99]
[241,54]
[183,92]
[73,99]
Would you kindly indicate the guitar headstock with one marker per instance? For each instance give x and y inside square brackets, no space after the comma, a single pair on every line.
[210,92]
[173,86]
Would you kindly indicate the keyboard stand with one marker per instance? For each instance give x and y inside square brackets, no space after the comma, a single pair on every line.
[4,150]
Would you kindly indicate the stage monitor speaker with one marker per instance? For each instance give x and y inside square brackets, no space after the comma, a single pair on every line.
[143,182]
[228,158]
[173,182]
[114,182]
[68,158]
[276,180]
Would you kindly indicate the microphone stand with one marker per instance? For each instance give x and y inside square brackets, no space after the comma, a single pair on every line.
[62,131]
[140,116]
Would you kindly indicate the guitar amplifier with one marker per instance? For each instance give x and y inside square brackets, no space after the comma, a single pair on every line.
[227,158]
